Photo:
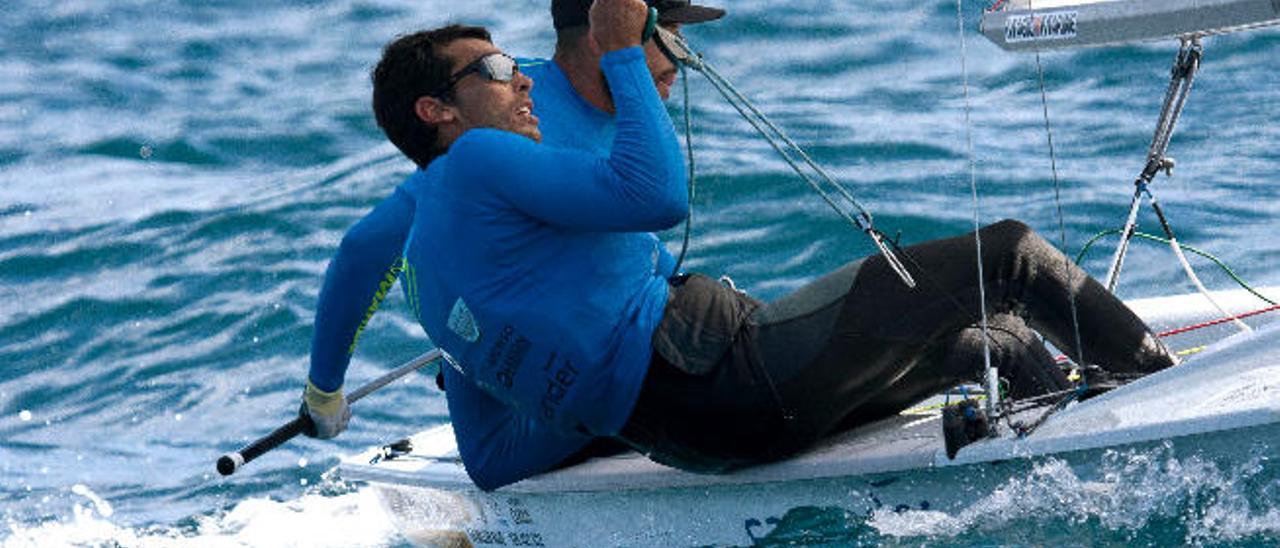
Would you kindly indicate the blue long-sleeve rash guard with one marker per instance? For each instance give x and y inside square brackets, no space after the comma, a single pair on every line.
[533,266]
[499,444]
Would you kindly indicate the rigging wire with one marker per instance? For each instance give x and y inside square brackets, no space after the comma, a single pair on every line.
[1057,193]
[852,211]
[1182,76]
[676,49]
[679,52]
[1062,232]
[688,147]
[990,373]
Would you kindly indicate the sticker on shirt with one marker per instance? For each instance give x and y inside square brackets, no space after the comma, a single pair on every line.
[462,323]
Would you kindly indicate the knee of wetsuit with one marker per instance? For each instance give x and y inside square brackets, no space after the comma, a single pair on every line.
[1011,227]
[1010,238]
[1005,234]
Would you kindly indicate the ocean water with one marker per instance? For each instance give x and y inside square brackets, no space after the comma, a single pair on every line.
[175,175]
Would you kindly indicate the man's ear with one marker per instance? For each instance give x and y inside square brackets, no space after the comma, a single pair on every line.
[434,111]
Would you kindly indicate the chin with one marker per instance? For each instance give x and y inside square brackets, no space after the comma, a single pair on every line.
[664,87]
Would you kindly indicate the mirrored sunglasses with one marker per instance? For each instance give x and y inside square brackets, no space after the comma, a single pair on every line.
[497,67]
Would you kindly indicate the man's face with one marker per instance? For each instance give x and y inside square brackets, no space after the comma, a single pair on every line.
[484,103]
[663,70]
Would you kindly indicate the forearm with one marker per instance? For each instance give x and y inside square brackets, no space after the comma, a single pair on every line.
[357,280]
[646,152]
[351,294]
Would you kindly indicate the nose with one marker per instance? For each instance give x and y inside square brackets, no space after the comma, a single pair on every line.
[522,82]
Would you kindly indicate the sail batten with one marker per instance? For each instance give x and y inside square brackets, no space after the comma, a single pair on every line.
[1051,24]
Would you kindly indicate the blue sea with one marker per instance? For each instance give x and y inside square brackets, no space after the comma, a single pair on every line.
[174,176]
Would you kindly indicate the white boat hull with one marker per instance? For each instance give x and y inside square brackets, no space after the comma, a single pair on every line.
[1218,401]
[740,515]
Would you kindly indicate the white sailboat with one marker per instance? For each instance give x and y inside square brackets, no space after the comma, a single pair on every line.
[1220,399]
[1224,396]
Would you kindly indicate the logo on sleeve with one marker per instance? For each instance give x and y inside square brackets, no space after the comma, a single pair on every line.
[462,323]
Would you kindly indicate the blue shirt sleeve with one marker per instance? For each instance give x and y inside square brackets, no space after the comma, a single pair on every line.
[357,280]
[639,187]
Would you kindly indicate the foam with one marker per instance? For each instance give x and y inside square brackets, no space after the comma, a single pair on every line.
[1132,490]
[315,519]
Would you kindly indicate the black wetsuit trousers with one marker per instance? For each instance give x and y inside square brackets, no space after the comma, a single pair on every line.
[858,345]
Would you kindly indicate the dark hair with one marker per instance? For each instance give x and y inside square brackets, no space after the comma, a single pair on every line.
[412,67]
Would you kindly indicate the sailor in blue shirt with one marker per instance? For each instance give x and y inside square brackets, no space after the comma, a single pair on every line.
[575,108]
[535,267]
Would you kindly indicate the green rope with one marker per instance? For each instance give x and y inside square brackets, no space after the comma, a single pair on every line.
[1152,237]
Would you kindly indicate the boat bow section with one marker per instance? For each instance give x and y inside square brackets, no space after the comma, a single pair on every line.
[1236,386]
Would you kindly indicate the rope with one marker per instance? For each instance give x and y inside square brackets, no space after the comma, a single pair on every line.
[1211,323]
[1062,358]
[1190,351]
[1152,237]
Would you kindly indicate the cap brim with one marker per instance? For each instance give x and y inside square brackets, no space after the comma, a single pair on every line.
[690,14]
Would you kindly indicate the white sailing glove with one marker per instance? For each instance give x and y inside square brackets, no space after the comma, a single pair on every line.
[328,411]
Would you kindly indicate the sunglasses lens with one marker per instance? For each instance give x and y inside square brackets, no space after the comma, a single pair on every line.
[498,67]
